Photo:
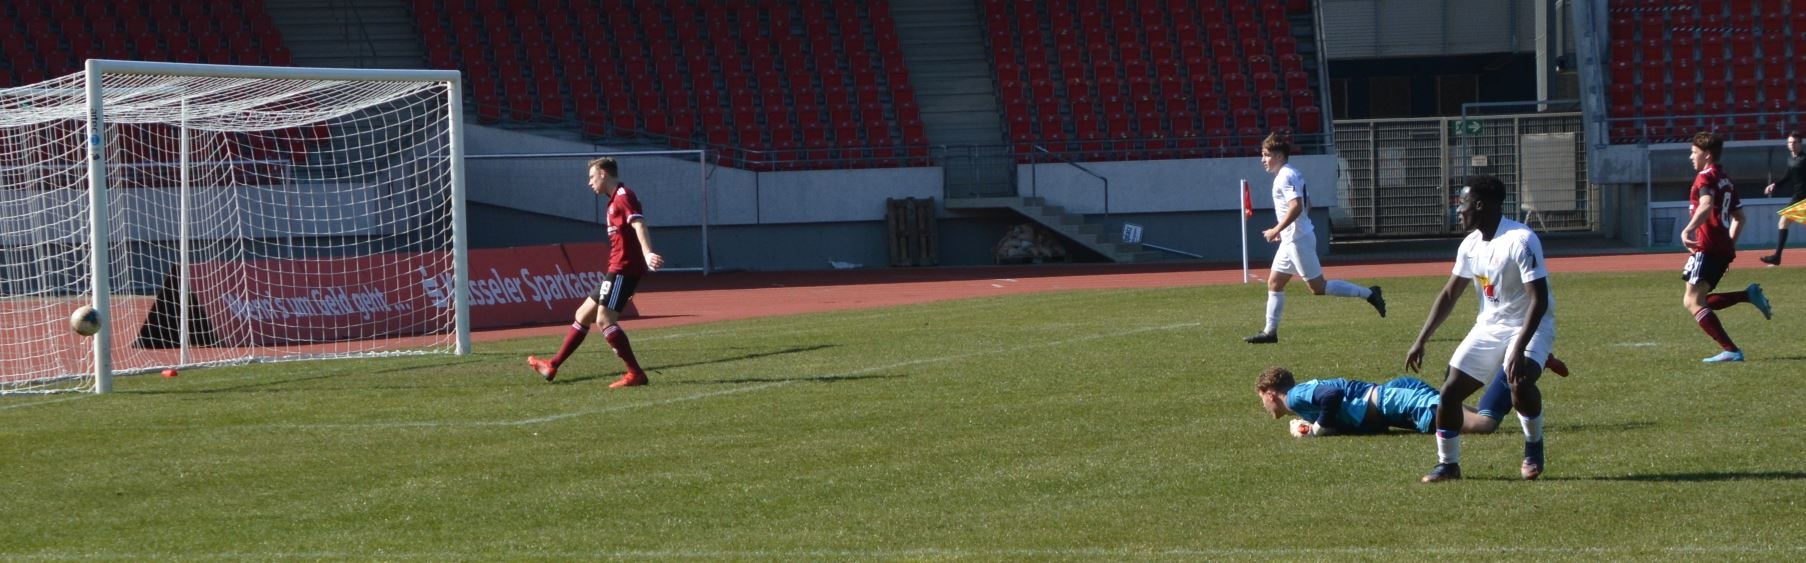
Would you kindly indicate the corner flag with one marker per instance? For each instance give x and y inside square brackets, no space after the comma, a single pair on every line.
[1247,200]
[1247,211]
[1795,212]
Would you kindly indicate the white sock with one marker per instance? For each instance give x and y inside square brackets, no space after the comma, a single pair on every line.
[1341,288]
[1533,427]
[1448,449]
[1276,304]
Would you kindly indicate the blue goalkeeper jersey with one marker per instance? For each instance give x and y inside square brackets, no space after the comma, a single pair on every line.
[1340,404]
[1410,403]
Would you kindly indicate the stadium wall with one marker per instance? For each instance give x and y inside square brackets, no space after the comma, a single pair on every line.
[1166,186]
[1188,205]
[807,219]
[1645,190]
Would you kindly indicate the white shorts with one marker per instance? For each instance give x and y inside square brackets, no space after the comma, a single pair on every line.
[1298,257]
[1482,354]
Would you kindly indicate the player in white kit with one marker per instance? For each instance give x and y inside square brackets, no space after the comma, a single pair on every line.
[1297,238]
[1515,329]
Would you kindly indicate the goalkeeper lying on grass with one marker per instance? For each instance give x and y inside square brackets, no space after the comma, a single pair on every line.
[1349,406]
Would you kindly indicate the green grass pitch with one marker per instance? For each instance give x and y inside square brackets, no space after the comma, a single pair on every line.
[1098,425]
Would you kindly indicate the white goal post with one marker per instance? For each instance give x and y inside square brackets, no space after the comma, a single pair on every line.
[216,214]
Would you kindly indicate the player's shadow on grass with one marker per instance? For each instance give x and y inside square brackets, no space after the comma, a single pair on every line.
[801,378]
[1711,477]
[1598,427]
[274,380]
[1707,477]
[749,356]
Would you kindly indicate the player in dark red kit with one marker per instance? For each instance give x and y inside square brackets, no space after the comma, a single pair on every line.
[630,256]
[1715,219]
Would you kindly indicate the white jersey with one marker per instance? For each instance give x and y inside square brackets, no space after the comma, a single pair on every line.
[1288,185]
[1501,269]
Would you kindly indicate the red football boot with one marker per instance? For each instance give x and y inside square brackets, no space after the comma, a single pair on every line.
[629,380]
[544,367]
[1559,367]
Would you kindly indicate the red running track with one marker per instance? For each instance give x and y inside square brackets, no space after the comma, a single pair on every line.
[680,299]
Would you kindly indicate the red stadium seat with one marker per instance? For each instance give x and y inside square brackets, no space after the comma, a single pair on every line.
[1213,118]
[1150,124]
[1278,118]
[551,105]
[1245,117]
[1240,99]
[1270,99]
[1295,80]
[1233,83]
[1310,119]
[1743,45]
[1775,90]
[1682,74]
[1265,81]
[1260,64]
[1248,139]
[1745,89]
[1302,97]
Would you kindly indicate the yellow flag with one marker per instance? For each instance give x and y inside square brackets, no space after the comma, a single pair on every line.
[1795,212]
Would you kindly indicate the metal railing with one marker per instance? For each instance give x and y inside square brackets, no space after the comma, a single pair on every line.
[1744,126]
[1034,180]
[1401,176]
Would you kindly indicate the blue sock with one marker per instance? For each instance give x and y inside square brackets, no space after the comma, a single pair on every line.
[1497,400]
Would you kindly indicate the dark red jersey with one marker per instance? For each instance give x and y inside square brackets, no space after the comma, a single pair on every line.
[624,253]
[1714,234]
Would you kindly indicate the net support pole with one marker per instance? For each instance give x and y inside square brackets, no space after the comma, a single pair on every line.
[702,177]
[460,234]
[182,240]
[98,234]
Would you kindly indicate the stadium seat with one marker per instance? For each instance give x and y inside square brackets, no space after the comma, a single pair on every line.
[1245,117]
[1150,124]
[1745,89]
[1302,97]
[1270,99]
[1296,80]
[1213,118]
[1776,90]
[1310,119]
[1240,99]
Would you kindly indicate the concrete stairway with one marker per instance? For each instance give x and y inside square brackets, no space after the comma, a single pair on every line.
[1071,226]
[348,33]
[943,44]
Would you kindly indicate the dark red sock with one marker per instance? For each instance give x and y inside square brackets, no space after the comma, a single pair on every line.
[1718,301]
[572,340]
[1708,321]
[617,339]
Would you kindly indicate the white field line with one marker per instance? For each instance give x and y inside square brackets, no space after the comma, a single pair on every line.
[47,402]
[685,398]
[933,552]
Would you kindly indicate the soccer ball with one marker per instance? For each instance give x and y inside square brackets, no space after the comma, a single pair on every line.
[85,321]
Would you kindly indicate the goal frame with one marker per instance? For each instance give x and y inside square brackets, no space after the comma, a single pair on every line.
[100,258]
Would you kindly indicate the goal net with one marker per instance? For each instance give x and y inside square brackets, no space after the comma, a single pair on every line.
[219,214]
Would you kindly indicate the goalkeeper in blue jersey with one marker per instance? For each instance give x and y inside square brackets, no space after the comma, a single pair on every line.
[1350,406]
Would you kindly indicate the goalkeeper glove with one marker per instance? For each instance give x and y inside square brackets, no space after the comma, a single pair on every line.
[1303,429]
